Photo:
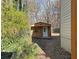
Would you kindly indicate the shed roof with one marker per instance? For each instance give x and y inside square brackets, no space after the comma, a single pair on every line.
[40,24]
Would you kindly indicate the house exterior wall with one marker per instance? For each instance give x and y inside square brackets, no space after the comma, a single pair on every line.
[66,25]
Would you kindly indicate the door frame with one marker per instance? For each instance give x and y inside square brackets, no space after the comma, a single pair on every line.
[45,31]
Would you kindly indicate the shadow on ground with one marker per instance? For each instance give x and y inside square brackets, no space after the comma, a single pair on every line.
[6,55]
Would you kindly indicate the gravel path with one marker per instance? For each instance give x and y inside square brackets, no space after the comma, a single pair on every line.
[41,54]
[50,49]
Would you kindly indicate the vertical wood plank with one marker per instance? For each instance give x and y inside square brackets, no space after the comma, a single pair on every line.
[73,29]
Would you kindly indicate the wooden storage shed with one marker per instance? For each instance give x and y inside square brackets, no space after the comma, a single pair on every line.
[41,29]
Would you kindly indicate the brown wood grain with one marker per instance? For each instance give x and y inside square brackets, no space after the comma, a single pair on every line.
[73,29]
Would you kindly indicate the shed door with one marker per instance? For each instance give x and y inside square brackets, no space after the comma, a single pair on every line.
[45,32]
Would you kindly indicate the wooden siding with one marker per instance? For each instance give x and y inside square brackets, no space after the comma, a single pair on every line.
[66,25]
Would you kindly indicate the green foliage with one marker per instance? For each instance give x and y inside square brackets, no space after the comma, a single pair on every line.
[14,26]
[27,52]
[15,32]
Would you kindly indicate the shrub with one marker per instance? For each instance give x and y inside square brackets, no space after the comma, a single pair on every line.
[15,31]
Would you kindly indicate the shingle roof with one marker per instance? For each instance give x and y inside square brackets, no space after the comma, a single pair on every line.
[40,24]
